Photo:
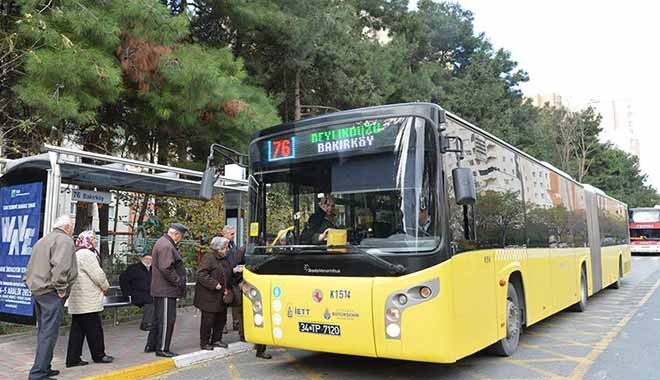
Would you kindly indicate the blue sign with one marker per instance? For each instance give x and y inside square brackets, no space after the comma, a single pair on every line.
[20,217]
[277,292]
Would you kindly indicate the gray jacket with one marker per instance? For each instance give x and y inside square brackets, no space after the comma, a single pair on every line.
[52,265]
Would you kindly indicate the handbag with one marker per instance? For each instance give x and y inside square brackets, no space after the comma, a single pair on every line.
[228,295]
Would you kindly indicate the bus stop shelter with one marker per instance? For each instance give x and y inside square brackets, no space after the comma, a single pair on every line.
[30,197]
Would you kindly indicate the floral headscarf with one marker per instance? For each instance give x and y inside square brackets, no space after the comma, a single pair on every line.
[86,241]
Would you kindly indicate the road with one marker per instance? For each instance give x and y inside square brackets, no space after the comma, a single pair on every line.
[617,338]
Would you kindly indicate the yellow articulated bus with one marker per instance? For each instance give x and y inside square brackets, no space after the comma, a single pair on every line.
[405,232]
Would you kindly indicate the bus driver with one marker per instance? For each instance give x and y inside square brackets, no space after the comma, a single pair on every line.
[316,230]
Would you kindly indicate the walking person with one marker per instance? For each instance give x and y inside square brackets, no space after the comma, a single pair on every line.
[233,256]
[168,282]
[135,282]
[213,277]
[50,272]
[85,304]
[238,277]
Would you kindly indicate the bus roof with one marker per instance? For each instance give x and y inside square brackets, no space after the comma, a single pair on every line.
[428,110]
[421,109]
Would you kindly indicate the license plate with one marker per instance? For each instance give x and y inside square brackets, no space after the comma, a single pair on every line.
[319,328]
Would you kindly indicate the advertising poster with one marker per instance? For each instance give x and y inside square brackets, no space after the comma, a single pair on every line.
[20,216]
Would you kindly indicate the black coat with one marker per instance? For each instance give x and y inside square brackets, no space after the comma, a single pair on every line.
[135,281]
[317,223]
[213,270]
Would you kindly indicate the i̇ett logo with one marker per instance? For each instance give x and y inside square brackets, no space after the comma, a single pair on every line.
[317,296]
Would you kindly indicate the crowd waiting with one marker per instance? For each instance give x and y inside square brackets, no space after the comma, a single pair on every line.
[66,273]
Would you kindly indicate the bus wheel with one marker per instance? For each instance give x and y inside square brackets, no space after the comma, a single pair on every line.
[617,284]
[581,305]
[508,345]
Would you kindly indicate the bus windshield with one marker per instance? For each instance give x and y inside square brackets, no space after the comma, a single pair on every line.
[645,234]
[380,200]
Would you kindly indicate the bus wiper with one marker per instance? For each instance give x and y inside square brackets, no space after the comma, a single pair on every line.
[392,268]
[382,263]
[310,249]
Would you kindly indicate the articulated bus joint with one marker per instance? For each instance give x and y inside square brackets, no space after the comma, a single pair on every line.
[254,295]
[402,299]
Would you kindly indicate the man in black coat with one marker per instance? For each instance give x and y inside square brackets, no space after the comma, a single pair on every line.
[316,230]
[135,282]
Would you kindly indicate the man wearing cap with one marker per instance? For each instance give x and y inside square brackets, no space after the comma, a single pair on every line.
[135,282]
[168,282]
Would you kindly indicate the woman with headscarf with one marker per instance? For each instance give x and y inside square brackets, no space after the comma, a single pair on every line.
[86,303]
[213,279]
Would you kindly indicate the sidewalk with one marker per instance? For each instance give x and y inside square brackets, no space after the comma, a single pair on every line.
[125,342]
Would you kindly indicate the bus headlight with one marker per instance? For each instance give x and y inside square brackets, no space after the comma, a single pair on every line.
[393,314]
[393,330]
[254,295]
[400,300]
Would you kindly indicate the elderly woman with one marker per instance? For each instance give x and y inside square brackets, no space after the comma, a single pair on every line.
[86,303]
[213,278]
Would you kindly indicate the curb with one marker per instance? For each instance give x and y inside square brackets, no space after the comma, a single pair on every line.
[164,365]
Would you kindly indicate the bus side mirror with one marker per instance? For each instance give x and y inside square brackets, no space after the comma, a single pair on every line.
[206,187]
[464,189]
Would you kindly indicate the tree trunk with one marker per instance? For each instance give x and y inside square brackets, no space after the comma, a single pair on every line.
[163,149]
[297,111]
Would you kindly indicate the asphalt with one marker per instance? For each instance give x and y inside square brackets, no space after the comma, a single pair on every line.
[615,339]
[125,342]
[635,352]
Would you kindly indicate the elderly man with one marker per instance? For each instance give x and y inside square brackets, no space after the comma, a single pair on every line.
[168,282]
[229,233]
[51,271]
[135,282]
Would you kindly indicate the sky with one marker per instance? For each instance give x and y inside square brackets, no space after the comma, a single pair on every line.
[582,50]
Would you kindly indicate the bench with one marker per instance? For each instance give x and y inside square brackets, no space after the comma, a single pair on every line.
[117,301]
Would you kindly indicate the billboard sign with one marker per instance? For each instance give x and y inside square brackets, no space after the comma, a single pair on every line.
[20,217]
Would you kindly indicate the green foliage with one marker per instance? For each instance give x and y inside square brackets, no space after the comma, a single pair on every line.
[618,174]
[126,65]
[165,81]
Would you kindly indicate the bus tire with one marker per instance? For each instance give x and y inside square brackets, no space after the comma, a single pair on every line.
[514,320]
[618,282]
[581,305]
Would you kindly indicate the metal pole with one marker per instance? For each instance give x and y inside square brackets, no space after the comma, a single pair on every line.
[114,227]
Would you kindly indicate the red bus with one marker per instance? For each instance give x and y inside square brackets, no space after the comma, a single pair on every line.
[645,230]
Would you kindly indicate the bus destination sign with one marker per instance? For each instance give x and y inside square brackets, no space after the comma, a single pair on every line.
[282,148]
[361,136]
